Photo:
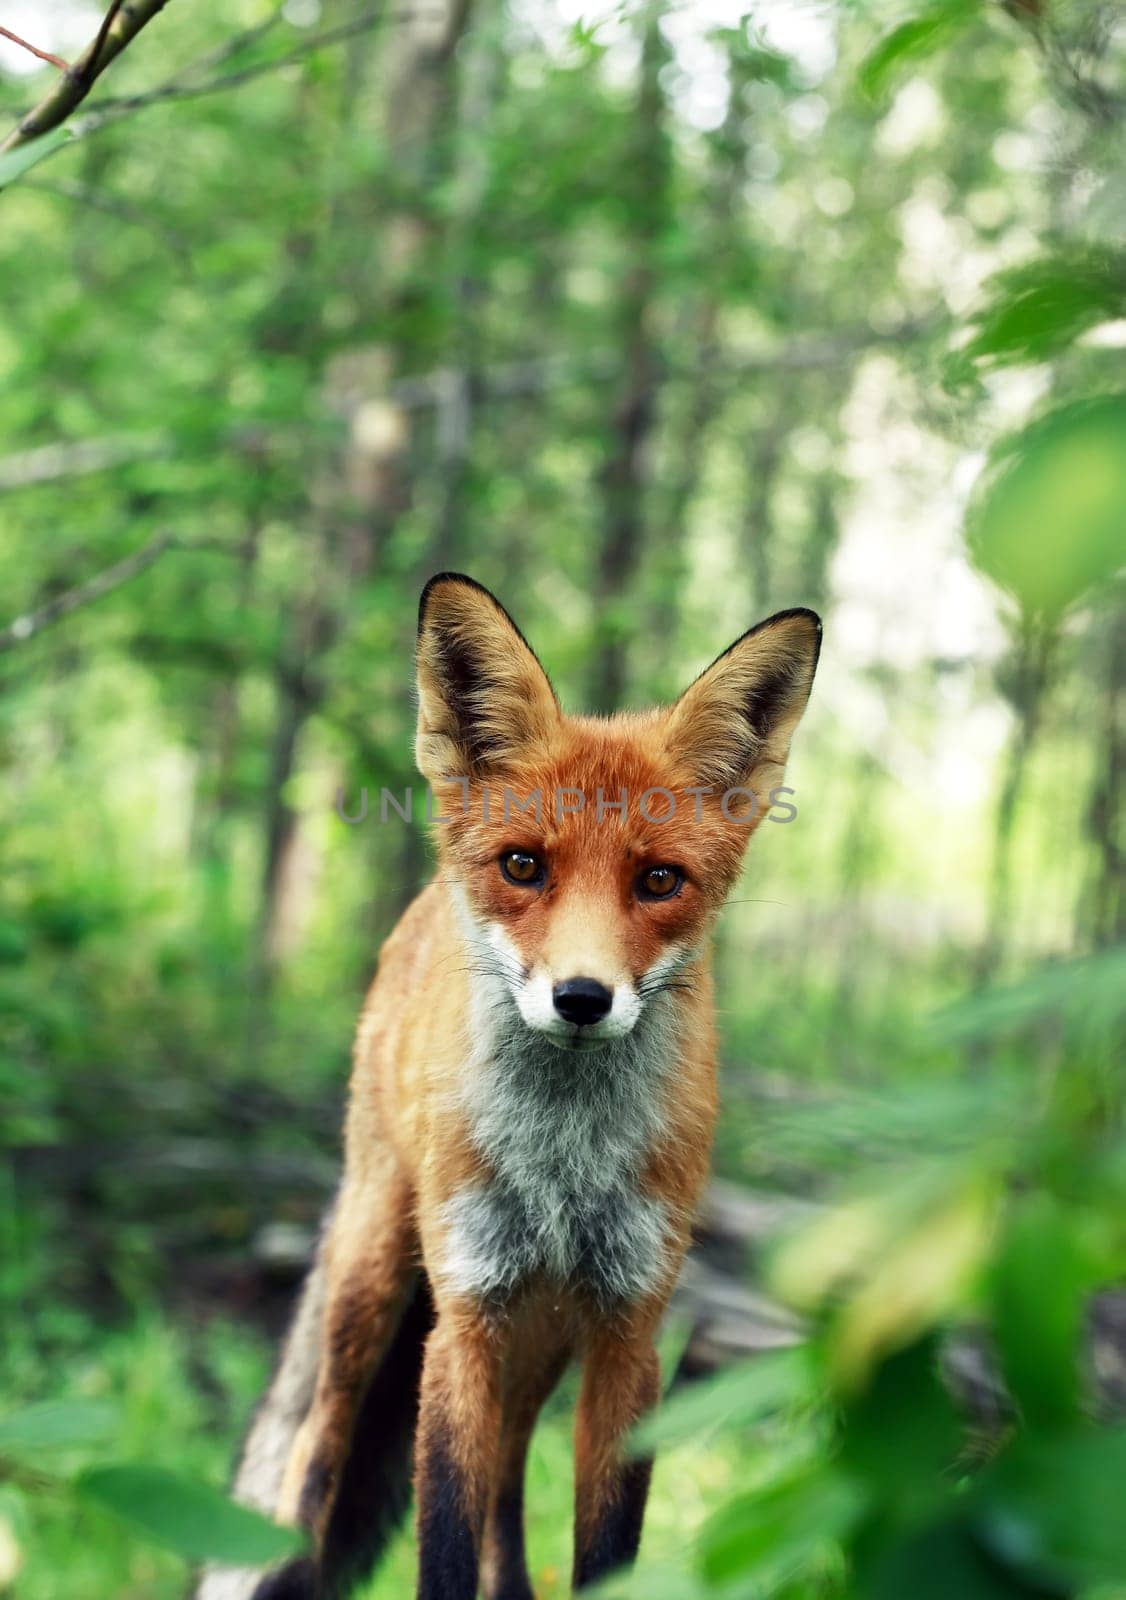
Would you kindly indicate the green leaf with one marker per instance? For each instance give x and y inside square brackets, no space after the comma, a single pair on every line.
[1052,1507]
[912,1284]
[186,1516]
[912,41]
[14,163]
[775,1533]
[1043,306]
[940,1562]
[1090,992]
[1047,520]
[909,1460]
[1039,1284]
[57,1425]
[736,1398]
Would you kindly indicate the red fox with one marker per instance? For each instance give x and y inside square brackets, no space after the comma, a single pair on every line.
[530,1117]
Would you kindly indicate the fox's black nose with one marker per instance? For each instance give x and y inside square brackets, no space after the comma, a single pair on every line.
[582,1000]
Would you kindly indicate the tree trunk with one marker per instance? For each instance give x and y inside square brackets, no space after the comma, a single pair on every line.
[456,412]
[349,537]
[215,797]
[688,450]
[634,414]
[764,461]
[1105,920]
[1031,668]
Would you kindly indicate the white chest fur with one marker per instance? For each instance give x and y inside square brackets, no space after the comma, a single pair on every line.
[565,1134]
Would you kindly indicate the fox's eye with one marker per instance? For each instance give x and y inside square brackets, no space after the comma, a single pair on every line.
[658,883]
[520,866]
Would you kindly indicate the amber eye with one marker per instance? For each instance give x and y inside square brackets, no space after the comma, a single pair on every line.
[520,866]
[659,883]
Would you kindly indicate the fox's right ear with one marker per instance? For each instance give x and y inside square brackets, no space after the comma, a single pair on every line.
[484,702]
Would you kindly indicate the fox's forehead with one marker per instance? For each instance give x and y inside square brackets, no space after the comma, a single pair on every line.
[601,756]
[615,792]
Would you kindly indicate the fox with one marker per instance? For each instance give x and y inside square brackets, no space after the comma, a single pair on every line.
[530,1115]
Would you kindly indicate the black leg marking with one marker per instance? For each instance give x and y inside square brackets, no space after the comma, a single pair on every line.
[616,1538]
[447,1545]
[512,1581]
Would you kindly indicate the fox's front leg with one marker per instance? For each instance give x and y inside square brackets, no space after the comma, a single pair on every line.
[455,1452]
[621,1381]
[532,1370]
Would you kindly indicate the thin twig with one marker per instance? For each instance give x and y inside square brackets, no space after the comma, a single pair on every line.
[44,55]
[110,109]
[234,46]
[46,463]
[172,86]
[114,206]
[103,583]
[515,380]
[119,26]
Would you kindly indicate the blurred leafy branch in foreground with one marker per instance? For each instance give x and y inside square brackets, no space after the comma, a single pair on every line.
[54,1449]
[995,1204]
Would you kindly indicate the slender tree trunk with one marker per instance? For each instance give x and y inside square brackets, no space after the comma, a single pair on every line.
[635,409]
[453,95]
[216,791]
[478,87]
[688,449]
[764,461]
[299,692]
[350,532]
[1031,671]
[1105,919]
[819,544]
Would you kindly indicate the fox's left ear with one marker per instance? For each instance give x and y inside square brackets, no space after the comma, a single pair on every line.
[484,701]
[732,727]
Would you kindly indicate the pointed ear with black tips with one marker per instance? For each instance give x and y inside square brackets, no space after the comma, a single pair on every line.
[485,704]
[732,727]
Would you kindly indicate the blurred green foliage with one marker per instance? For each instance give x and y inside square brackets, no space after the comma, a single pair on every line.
[1049,523]
[655,322]
[182,1515]
[867,1481]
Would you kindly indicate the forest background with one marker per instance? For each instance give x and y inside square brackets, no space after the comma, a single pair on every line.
[655,318]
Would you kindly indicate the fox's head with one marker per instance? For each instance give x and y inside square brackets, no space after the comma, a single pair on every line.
[589,855]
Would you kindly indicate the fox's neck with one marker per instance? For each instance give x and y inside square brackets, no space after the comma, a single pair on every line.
[565,1136]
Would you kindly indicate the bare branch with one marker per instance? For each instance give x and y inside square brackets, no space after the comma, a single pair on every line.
[84,594]
[49,462]
[44,55]
[109,110]
[121,24]
[515,380]
[235,45]
[113,205]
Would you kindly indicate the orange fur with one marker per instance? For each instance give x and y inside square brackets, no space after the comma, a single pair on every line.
[488,716]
